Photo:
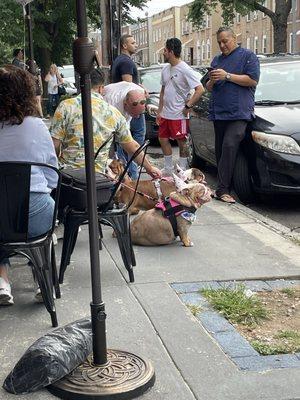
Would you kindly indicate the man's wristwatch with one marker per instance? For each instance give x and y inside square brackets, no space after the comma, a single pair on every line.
[188,107]
[228,77]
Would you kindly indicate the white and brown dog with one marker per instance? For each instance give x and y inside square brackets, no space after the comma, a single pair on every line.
[172,217]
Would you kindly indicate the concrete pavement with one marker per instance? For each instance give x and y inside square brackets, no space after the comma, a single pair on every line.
[148,318]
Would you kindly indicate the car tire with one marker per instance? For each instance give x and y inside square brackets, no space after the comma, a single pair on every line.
[242,181]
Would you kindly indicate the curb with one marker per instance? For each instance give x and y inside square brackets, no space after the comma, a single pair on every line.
[268,223]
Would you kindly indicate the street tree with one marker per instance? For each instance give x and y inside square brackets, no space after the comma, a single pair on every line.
[54,28]
[279,16]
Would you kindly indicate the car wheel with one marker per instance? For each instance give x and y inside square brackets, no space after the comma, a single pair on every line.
[193,159]
[242,181]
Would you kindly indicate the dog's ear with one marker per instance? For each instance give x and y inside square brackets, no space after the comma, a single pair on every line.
[179,183]
[110,173]
[180,173]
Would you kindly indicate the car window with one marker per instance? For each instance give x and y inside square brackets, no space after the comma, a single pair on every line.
[279,82]
[151,80]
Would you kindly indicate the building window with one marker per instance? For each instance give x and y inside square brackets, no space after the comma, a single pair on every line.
[264,44]
[204,22]
[238,18]
[248,43]
[207,21]
[256,45]
[208,48]
[182,26]
[255,14]
[203,50]
[248,17]
[291,43]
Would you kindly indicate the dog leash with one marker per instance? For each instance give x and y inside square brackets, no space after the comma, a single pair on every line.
[133,190]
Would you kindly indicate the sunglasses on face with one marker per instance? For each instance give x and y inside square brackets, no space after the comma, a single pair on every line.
[135,103]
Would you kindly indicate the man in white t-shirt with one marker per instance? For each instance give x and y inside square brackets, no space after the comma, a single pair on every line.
[177,80]
[127,97]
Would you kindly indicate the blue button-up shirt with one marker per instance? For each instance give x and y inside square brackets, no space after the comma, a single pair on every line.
[228,100]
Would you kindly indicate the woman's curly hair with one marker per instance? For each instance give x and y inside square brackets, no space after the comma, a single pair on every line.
[17,95]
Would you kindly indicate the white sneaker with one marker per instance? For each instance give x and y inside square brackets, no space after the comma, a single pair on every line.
[167,171]
[59,231]
[6,298]
[38,296]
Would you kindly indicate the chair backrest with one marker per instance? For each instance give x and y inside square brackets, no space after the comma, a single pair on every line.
[143,147]
[15,180]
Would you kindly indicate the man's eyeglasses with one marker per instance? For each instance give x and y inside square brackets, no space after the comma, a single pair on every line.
[135,103]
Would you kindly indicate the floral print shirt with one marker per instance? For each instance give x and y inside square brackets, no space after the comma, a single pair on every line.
[67,126]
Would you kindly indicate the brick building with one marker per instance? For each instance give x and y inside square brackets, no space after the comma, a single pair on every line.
[199,46]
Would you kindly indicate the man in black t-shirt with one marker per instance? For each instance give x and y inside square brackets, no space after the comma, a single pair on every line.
[124,69]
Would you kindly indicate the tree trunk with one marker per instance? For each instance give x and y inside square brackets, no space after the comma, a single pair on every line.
[280,38]
[105,32]
[279,21]
[44,59]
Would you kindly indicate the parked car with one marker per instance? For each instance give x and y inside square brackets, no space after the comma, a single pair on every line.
[269,156]
[68,73]
[150,78]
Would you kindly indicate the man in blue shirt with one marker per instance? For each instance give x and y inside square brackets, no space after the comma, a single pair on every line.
[232,81]
[124,69]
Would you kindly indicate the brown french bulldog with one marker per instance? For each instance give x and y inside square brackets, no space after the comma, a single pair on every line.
[151,228]
[148,194]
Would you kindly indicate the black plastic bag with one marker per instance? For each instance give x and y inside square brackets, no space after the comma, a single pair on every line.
[51,357]
[61,90]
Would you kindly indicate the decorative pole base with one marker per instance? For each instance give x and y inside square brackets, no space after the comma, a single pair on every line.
[125,376]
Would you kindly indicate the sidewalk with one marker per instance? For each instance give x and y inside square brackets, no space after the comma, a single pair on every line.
[148,318]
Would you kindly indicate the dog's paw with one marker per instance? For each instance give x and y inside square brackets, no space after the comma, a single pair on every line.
[188,244]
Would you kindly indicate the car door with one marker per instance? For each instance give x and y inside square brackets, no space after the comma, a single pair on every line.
[202,130]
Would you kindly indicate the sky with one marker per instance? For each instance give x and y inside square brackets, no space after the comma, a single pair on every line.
[155,6]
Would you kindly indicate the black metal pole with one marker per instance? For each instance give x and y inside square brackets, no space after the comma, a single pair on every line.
[114,374]
[83,55]
[31,63]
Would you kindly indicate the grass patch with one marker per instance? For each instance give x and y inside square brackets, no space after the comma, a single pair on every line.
[266,349]
[289,292]
[295,240]
[283,342]
[194,309]
[291,335]
[234,305]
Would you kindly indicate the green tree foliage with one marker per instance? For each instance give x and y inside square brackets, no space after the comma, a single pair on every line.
[11,29]
[54,28]
[279,17]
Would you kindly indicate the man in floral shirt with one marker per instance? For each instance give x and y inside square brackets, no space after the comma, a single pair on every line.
[67,130]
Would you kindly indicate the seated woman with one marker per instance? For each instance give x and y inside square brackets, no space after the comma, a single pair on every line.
[25,137]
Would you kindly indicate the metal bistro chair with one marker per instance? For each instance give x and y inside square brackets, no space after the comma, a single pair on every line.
[109,214]
[14,212]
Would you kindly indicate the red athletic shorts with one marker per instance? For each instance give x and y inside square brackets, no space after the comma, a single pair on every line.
[173,128]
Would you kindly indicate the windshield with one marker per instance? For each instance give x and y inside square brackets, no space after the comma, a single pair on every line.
[67,72]
[150,79]
[279,82]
